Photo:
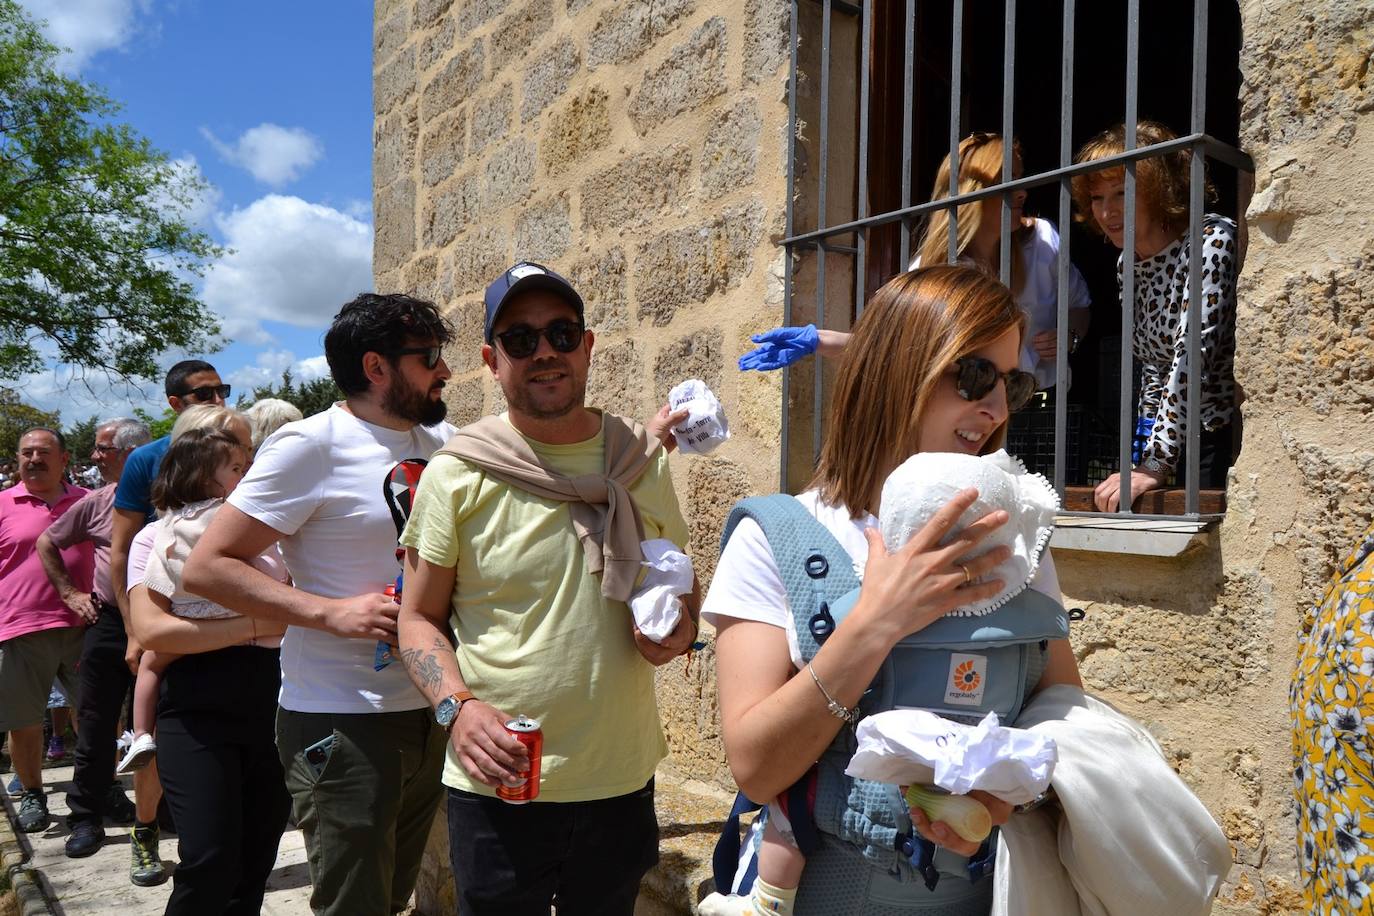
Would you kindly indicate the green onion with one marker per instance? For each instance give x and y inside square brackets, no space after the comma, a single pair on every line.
[965,816]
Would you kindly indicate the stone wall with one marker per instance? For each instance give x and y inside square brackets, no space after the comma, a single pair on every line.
[638,147]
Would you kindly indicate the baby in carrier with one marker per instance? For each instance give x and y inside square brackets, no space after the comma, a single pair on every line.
[912,494]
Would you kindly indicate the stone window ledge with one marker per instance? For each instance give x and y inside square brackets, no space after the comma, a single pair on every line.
[1148,537]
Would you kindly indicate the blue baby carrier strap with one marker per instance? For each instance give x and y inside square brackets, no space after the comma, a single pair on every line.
[816,570]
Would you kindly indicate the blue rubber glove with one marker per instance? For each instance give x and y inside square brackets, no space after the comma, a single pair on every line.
[780,347]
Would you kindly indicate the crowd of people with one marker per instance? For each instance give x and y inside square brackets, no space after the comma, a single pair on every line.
[336,619]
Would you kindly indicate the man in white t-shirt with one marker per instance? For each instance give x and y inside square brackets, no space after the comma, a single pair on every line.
[361,752]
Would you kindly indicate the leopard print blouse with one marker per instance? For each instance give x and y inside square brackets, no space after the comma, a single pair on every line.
[1161,338]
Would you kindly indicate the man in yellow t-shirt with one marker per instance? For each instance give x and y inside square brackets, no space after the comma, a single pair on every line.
[524,540]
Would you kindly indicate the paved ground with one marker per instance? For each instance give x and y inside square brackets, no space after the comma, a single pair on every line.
[100,884]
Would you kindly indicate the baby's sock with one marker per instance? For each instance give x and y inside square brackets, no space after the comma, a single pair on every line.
[772,901]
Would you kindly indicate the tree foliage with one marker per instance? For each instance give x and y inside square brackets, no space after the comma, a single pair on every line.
[311,397]
[95,250]
[17,418]
[81,439]
[158,426]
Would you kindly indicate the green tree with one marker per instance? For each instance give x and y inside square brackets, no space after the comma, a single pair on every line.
[17,418]
[158,426]
[81,439]
[311,397]
[95,251]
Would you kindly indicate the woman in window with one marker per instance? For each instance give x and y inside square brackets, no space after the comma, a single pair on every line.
[1034,271]
[1160,338]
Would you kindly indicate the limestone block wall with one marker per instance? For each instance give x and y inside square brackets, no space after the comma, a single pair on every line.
[638,146]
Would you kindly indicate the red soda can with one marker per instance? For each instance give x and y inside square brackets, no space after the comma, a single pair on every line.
[528,733]
[391,592]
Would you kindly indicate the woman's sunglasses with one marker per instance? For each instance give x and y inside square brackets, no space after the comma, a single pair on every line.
[521,341]
[977,376]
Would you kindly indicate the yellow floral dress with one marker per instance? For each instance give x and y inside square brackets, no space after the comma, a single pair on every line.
[1332,707]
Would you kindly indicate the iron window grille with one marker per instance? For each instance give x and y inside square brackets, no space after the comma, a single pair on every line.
[809,253]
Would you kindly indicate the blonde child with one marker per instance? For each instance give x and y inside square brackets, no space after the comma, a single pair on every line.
[204,464]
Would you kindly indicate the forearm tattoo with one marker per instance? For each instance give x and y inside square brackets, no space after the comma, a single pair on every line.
[424,665]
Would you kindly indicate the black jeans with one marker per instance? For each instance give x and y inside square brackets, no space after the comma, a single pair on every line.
[105,681]
[580,857]
[217,757]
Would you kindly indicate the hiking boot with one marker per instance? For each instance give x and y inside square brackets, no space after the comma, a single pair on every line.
[57,749]
[33,811]
[118,808]
[86,838]
[146,869]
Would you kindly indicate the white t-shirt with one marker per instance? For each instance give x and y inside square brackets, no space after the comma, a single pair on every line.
[319,481]
[748,586]
[139,549]
[1039,297]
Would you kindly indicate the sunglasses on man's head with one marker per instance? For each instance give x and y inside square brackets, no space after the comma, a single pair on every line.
[207,392]
[977,376]
[521,341]
[432,355]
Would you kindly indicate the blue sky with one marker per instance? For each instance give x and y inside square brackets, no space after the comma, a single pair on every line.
[271,103]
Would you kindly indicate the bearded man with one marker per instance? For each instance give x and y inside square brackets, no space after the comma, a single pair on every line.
[361,753]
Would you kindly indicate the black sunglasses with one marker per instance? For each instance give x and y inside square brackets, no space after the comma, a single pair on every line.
[978,376]
[432,355]
[522,340]
[207,392]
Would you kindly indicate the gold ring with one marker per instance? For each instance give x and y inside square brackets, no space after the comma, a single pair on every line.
[968,579]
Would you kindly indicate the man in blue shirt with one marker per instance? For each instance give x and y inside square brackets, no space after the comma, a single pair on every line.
[189,382]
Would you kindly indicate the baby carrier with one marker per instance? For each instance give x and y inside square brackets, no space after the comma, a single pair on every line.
[864,856]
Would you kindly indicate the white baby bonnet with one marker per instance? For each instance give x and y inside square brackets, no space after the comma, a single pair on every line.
[922,484]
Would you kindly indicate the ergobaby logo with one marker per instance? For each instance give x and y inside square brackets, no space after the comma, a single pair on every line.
[968,676]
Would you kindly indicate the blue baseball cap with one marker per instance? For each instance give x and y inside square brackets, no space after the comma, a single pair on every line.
[521,278]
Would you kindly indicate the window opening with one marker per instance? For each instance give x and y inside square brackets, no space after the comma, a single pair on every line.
[879,78]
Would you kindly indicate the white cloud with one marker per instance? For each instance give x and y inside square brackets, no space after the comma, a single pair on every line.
[307,370]
[273,154]
[87,27]
[289,261]
[268,367]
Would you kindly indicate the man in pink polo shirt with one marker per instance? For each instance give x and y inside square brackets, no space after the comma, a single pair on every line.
[40,637]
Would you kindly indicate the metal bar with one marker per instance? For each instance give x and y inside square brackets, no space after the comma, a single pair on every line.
[823,138]
[1193,314]
[1214,149]
[861,238]
[1128,256]
[908,89]
[956,87]
[817,401]
[849,9]
[1061,360]
[1008,132]
[822,215]
[784,428]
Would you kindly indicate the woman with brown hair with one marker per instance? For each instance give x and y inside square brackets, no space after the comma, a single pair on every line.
[931,367]
[1034,265]
[1160,336]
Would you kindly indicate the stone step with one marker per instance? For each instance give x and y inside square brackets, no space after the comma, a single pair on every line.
[691,815]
